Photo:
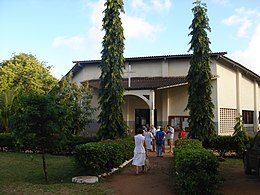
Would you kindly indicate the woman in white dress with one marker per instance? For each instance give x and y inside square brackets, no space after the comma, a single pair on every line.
[139,151]
[148,140]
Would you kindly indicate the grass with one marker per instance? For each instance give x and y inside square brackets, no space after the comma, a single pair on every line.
[231,162]
[22,173]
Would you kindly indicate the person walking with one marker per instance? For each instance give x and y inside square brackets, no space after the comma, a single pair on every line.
[159,142]
[148,140]
[139,151]
[153,130]
[170,136]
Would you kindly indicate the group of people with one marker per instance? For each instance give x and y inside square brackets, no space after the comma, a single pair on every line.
[151,139]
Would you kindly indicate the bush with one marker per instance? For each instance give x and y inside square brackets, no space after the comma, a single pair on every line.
[100,157]
[191,143]
[6,141]
[224,144]
[68,146]
[196,168]
[9,142]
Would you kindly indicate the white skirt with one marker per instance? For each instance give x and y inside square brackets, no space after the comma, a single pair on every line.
[148,144]
[139,159]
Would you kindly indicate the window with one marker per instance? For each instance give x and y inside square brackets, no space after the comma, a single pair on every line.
[248,116]
[178,122]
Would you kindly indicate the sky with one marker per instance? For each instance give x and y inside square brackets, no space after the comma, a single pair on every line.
[59,32]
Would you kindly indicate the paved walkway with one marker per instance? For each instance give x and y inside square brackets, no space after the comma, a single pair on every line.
[158,180]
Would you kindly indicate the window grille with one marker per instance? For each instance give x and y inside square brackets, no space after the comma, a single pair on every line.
[227,120]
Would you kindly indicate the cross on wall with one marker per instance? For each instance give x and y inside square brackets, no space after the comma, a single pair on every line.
[129,72]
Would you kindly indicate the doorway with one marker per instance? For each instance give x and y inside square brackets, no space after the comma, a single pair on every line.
[142,117]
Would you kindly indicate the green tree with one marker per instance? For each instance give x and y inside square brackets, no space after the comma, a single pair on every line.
[200,104]
[77,99]
[22,74]
[112,124]
[7,98]
[44,120]
[25,71]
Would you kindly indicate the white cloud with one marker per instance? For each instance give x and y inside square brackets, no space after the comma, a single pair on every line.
[90,41]
[222,2]
[249,57]
[161,5]
[134,27]
[244,18]
[138,4]
[151,5]
[75,42]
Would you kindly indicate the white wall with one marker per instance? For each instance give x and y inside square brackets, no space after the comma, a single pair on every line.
[226,87]
[87,73]
[178,101]
[144,69]
[247,94]
[258,96]
[178,67]
[214,97]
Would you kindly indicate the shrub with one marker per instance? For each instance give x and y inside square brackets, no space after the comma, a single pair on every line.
[224,144]
[9,142]
[196,168]
[68,146]
[193,143]
[100,157]
[6,141]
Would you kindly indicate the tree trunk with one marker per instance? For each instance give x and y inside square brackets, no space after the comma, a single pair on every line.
[44,166]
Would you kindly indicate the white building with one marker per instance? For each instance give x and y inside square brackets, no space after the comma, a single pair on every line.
[156,91]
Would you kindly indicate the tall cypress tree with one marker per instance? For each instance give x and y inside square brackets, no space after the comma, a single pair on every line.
[199,76]
[112,124]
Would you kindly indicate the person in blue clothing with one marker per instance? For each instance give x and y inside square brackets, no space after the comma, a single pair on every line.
[159,137]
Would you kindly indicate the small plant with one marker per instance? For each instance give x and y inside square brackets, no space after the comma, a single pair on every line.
[240,135]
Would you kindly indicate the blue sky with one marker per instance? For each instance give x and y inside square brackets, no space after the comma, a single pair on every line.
[61,31]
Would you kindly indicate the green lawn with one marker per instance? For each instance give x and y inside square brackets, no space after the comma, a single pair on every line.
[23,174]
[231,162]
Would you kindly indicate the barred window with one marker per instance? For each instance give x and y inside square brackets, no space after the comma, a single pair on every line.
[227,120]
[248,116]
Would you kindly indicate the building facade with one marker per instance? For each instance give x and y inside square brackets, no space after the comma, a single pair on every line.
[156,91]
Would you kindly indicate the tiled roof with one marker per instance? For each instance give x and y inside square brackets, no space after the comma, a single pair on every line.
[146,82]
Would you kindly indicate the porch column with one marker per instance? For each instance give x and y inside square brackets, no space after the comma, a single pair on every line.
[239,111]
[128,112]
[152,106]
[256,111]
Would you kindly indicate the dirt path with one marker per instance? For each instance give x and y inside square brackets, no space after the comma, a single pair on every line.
[237,183]
[158,180]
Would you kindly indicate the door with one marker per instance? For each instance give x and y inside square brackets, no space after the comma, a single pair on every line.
[142,117]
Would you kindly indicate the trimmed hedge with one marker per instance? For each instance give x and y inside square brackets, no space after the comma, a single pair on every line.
[224,144]
[99,157]
[190,143]
[196,168]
